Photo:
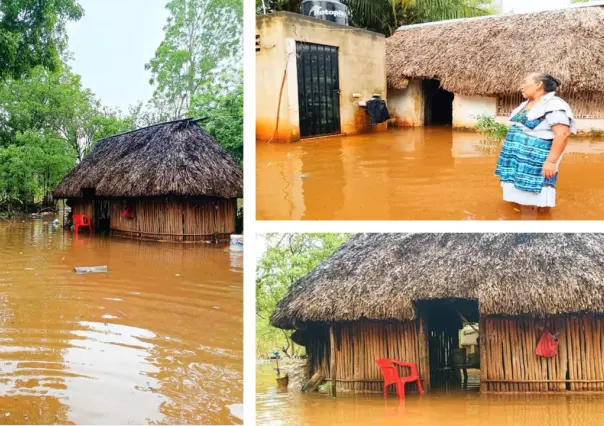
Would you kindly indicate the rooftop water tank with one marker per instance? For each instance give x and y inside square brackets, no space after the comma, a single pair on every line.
[328,10]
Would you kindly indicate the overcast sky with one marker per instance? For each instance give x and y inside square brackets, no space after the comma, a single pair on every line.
[115,38]
[111,45]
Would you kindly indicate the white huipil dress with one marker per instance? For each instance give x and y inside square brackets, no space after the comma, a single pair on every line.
[555,111]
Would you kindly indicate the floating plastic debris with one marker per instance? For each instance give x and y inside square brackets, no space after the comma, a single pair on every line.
[90,269]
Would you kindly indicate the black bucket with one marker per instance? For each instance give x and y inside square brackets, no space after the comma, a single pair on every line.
[327,10]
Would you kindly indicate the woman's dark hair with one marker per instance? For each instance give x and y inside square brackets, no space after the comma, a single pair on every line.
[550,84]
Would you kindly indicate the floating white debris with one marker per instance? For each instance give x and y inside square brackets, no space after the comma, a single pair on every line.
[107,316]
[236,410]
[90,269]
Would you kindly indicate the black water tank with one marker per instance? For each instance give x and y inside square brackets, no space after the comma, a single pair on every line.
[328,10]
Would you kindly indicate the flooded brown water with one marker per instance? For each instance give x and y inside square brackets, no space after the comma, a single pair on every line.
[421,173]
[157,339]
[467,408]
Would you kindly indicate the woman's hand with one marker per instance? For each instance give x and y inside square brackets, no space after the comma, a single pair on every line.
[549,169]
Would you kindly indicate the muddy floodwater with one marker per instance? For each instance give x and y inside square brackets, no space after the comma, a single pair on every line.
[156,339]
[454,408]
[421,173]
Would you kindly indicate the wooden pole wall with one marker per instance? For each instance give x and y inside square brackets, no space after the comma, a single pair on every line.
[586,104]
[483,352]
[509,362]
[84,207]
[350,350]
[332,364]
[178,220]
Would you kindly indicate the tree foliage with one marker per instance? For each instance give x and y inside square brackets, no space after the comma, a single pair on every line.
[224,119]
[287,258]
[385,16]
[48,123]
[32,33]
[201,52]
[197,70]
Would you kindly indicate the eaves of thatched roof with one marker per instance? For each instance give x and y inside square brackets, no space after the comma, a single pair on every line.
[177,158]
[381,276]
[492,55]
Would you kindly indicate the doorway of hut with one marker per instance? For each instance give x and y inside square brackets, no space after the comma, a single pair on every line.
[438,104]
[453,343]
[101,220]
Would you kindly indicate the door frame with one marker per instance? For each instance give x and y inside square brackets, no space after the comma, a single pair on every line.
[296,100]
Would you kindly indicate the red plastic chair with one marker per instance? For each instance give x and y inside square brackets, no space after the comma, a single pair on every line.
[391,376]
[82,221]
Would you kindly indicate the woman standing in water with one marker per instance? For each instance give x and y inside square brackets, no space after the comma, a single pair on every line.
[533,147]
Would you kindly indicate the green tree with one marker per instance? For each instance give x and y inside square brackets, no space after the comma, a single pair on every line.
[147,114]
[48,123]
[201,52]
[287,258]
[224,119]
[56,103]
[32,33]
[385,16]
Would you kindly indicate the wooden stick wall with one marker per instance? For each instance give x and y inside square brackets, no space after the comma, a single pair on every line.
[508,361]
[589,105]
[83,207]
[168,219]
[359,344]
[511,365]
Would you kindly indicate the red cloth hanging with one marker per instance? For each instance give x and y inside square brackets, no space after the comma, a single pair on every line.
[128,212]
[547,346]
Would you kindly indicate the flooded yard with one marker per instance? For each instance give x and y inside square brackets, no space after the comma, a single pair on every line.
[405,174]
[156,339]
[468,408]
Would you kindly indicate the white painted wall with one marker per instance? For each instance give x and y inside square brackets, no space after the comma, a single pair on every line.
[466,108]
[406,106]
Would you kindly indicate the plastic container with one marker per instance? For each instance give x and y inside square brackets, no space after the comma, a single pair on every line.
[327,10]
[237,242]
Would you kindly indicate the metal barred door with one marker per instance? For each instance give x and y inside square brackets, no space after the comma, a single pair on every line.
[318,89]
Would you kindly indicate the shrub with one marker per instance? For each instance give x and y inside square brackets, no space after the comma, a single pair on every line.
[487,126]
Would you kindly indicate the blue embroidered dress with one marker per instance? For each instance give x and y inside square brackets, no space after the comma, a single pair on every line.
[526,147]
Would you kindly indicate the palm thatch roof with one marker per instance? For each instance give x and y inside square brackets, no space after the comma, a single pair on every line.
[175,158]
[381,276]
[492,55]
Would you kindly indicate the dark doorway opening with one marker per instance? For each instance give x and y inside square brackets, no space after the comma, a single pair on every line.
[453,344]
[438,104]
[102,217]
[318,89]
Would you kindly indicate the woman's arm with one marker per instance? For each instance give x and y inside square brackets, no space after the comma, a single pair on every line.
[561,134]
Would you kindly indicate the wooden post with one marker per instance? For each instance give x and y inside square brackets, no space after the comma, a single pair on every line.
[482,332]
[332,352]
[424,361]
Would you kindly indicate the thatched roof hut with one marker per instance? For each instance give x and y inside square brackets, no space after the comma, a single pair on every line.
[379,276]
[175,158]
[407,296]
[170,181]
[491,55]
